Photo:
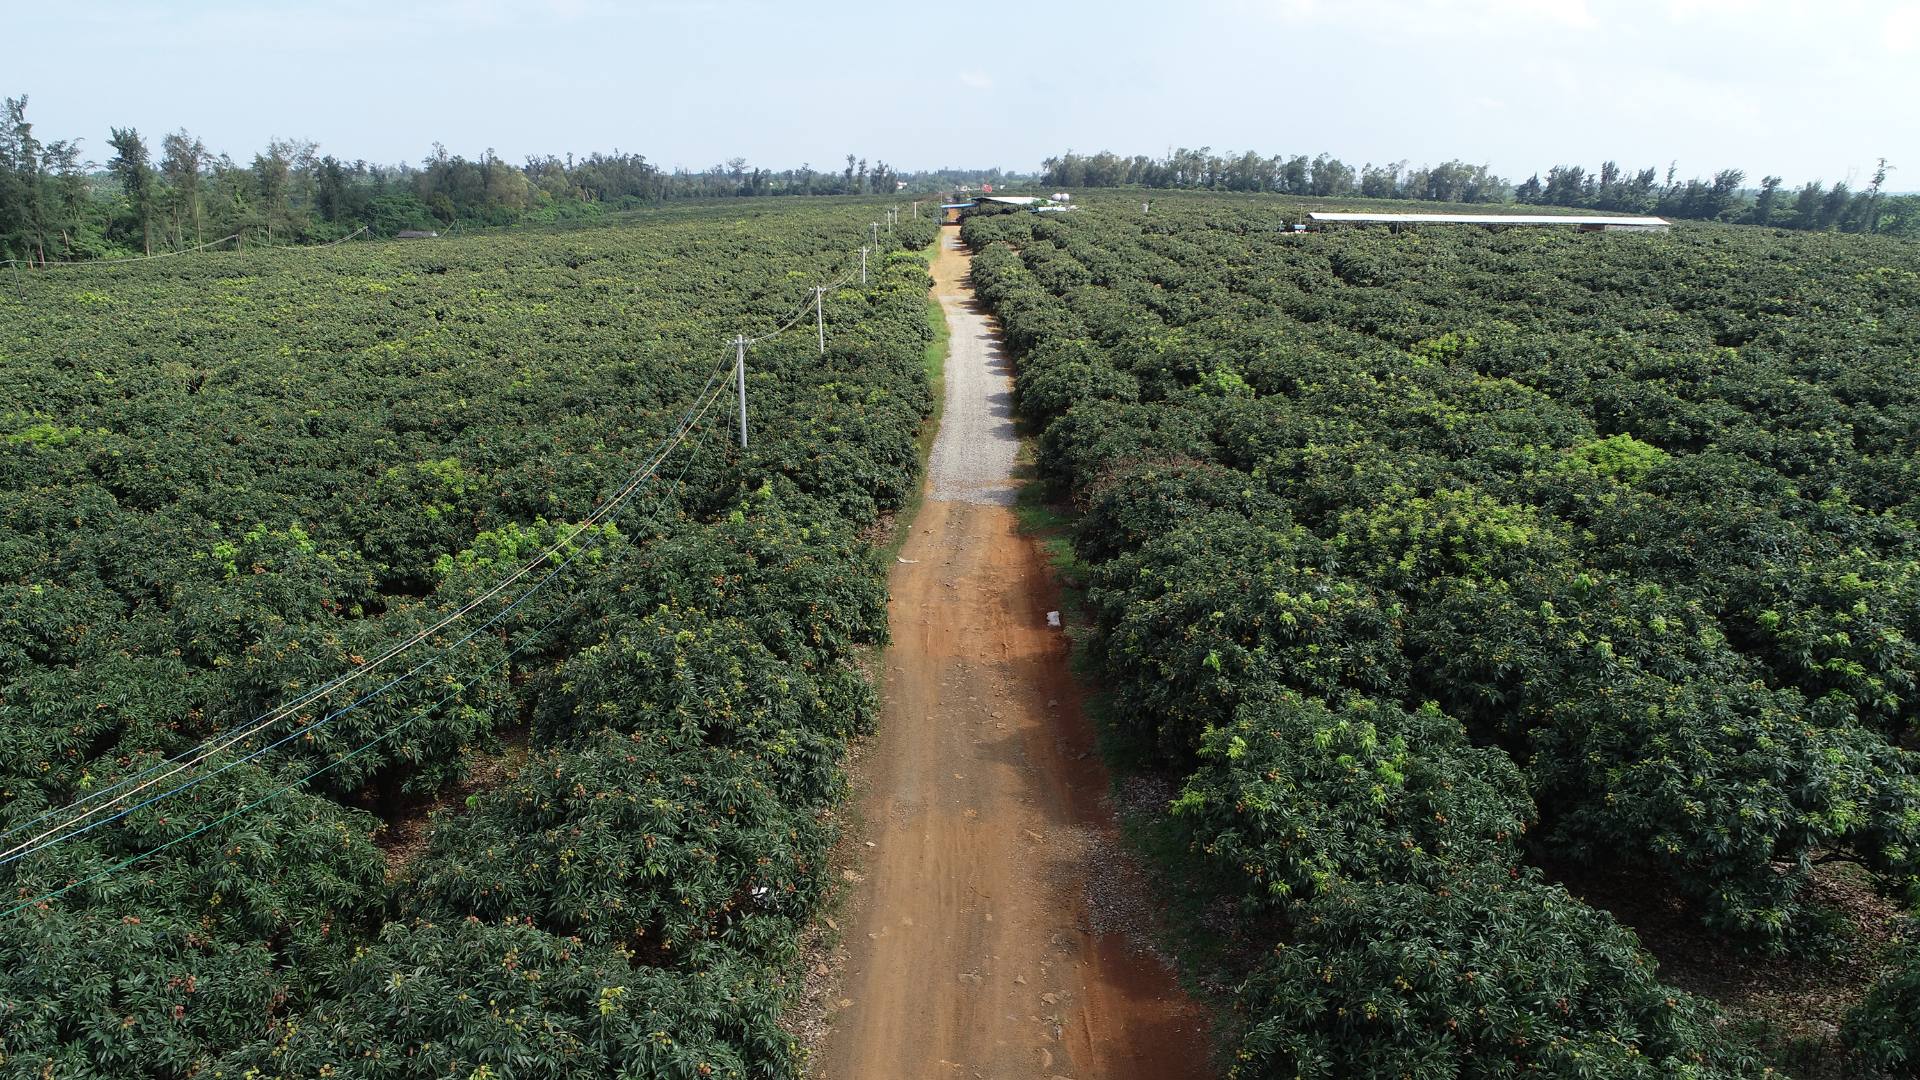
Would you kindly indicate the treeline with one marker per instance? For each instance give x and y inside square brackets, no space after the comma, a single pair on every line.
[1812,206]
[1723,197]
[56,205]
[1324,176]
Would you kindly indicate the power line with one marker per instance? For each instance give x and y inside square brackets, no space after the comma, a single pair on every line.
[67,829]
[134,259]
[801,311]
[268,719]
[208,749]
[696,414]
[276,793]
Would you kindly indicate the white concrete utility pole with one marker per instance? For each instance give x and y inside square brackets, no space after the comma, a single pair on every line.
[740,372]
[876,234]
[820,315]
[863,266]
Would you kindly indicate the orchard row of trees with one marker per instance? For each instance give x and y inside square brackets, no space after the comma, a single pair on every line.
[57,204]
[1723,197]
[1426,571]
[214,514]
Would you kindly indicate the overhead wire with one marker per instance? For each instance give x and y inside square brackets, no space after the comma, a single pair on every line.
[164,254]
[459,689]
[132,259]
[73,825]
[344,239]
[193,757]
[802,312]
[172,766]
[788,325]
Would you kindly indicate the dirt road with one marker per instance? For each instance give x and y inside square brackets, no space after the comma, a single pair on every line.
[990,932]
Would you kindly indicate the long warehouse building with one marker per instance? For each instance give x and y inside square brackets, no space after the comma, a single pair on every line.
[1584,224]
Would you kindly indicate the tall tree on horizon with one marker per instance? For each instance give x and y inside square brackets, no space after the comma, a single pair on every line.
[22,206]
[185,157]
[1871,219]
[330,192]
[134,169]
[69,186]
[1806,205]
[1833,207]
[1768,198]
[271,174]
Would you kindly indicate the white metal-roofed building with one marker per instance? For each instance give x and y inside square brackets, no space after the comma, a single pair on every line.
[953,210]
[1583,224]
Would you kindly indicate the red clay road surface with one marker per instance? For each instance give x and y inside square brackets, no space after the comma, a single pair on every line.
[972,951]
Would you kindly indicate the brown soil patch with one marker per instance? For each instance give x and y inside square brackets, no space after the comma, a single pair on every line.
[403,839]
[1792,1006]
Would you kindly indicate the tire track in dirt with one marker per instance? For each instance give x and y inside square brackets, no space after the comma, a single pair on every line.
[972,951]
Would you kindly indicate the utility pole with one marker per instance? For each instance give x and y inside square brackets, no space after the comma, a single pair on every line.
[740,371]
[863,266]
[876,234]
[820,315]
[916,211]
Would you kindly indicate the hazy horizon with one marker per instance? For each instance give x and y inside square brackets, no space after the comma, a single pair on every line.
[1759,85]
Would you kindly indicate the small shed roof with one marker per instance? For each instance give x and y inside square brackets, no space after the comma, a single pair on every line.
[1012,200]
[1486,219]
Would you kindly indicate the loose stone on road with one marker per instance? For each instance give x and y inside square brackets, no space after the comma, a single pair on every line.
[973,949]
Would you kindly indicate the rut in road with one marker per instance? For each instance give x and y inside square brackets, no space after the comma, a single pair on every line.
[984,941]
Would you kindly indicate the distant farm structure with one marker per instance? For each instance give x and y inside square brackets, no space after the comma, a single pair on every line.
[1317,221]
[953,210]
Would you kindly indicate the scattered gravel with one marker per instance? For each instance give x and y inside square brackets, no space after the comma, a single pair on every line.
[1120,894]
[1143,797]
[973,455]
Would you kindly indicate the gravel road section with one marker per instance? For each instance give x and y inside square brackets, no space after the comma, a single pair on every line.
[973,457]
[993,921]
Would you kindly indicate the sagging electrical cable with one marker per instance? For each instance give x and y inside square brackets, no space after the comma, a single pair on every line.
[74,827]
[113,795]
[343,759]
[269,719]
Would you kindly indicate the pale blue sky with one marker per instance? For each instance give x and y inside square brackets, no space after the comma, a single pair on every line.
[1805,90]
